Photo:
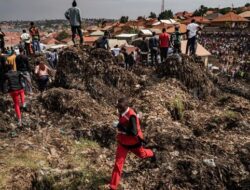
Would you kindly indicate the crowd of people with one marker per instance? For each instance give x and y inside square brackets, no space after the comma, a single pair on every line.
[154,50]
[15,71]
[232,49]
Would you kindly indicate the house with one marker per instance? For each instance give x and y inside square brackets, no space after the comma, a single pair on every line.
[213,16]
[198,19]
[245,15]
[97,33]
[91,29]
[200,51]
[90,40]
[182,29]
[183,15]
[230,20]
[145,33]
[130,48]
[120,43]
[161,26]
[128,37]
[157,31]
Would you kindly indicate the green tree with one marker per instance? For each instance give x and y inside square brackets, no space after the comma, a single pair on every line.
[62,35]
[167,14]
[124,19]
[201,11]
[225,10]
[247,5]
[152,15]
[140,17]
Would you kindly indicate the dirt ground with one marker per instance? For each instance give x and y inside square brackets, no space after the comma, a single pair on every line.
[199,128]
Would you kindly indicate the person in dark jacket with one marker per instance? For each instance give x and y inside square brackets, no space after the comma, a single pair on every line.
[13,85]
[153,46]
[2,69]
[22,65]
[2,43]
[144,51]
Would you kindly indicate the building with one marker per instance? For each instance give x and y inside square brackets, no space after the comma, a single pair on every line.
[128,37]
[97,33]
[198,19]
[245,15]
[114,42]
[213,16]
[182,28]
[230,20]
[145,33]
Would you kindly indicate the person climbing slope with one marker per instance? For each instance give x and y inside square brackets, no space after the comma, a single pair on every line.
[130,139]
[13,85]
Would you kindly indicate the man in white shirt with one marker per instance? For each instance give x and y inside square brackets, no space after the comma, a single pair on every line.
[116,50]
[26,40]
[192,30]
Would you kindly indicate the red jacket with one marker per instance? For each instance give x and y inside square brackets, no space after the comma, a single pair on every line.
[164,40]
[122,137]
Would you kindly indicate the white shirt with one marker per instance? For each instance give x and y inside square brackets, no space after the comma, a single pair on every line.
[116,51]
[25,37]
[193,28]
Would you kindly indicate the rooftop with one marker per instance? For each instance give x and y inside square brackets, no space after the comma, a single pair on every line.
[230,17]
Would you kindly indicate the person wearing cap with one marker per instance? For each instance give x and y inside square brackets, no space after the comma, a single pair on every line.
[192,30]
[73,14]
[129,138]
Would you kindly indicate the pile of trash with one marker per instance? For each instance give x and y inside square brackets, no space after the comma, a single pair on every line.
[70,141]
[190,73]
[94,71]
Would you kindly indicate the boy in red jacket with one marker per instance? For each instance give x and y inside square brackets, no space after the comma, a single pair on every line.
[129,139]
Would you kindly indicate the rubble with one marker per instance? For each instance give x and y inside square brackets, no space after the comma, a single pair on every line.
[190,73]
[69,141]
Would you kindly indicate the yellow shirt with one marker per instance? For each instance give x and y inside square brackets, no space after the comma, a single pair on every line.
[12,61]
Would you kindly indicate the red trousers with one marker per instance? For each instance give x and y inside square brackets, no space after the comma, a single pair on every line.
[121,154]
[15,96]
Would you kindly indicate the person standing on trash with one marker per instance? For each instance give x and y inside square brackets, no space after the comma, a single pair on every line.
[164,44]
[144,51]
[73,14]
[13,85]
[130,139]
[2,43]
[2,68]
[11,60]
[22,65]
[34,32]
[153,46]
[42,72]
[176,39]
[192,30]
[26,40]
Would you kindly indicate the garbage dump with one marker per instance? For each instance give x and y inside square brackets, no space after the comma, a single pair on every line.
[201,135]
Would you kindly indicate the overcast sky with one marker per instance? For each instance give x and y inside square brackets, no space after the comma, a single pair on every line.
[51,9]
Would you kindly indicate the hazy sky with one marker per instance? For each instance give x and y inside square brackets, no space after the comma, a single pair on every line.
[50,9]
